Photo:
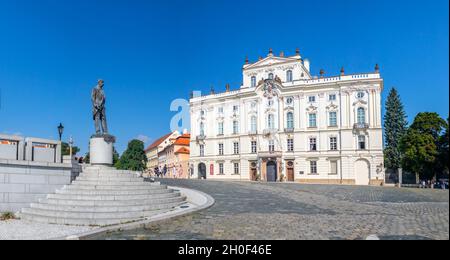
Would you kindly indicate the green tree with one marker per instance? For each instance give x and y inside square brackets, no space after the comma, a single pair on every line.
[429,123]
[443,148]
[116,156]
[422,144]
[420,153]
[395,127]
[133,158]
[65,149]
[87,158]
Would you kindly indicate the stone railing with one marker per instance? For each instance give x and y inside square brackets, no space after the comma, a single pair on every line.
[29,149]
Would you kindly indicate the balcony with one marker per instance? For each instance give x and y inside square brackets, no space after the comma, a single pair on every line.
[361,126]
[269,131]
[201,138]
[289,130]
[253,132]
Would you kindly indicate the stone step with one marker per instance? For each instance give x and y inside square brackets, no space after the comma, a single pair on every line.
[111,172]
[111,203]
[89,215]
[106,183]
[112,197]
[83,221]
[75,191]
[146,186]
[109,179]
[107,209]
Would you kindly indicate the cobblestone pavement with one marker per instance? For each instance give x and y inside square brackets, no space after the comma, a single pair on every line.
[253,211]
[24,230]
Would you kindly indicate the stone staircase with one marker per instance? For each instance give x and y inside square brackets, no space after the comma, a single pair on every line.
[102,197]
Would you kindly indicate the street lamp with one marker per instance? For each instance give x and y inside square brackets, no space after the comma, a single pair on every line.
[60,130]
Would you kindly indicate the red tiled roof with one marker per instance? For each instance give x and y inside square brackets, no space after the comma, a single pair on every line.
[183,140]
[158,142]
[183,150]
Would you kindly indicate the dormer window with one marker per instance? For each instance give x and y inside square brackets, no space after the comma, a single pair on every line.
[253,81]
[289,77]
[289,101]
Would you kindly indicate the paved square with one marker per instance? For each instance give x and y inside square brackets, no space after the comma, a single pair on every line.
[251,211]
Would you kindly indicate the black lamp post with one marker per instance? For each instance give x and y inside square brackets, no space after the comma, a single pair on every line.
[60,131]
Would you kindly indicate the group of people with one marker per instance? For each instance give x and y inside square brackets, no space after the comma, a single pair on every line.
[442,184]
[165,172]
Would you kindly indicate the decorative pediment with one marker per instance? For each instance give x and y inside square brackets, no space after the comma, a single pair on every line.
[311,109]
[332,107]
[360,102]
[269,61]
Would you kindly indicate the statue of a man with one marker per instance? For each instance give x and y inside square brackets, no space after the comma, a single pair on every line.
[98,108]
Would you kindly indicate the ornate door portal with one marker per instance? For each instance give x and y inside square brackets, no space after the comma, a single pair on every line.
[272,172]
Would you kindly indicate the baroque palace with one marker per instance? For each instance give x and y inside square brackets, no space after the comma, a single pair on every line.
[284,124]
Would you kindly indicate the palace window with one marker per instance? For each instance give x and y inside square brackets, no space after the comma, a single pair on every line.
[202,129]
[313,144]
[220,110]
[361,117]
[290,101]
[313,167]
[333,144]
[270,75]
[290,120]
[220,128]
[271,146]
[221,171]
[235,109]
[332,117]
[312,99]
[312,120]
[332,97]
[271,121]
[253,80]
[254,147]
[236,148]
[289,77]
[236,168]
[333,167]
[221,149]
[202,150]
[235,127]
[290,145]
[361,142]
[253,124]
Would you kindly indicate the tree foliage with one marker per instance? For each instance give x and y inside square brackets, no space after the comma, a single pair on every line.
[65,149]
[395,127]
[424,146]
[134,157]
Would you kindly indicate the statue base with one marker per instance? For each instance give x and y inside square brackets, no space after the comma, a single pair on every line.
[101,151]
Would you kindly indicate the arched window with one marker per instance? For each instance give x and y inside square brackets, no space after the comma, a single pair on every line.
[270,75]
[289,77]
[361,116]
[202,129]
[271,121]
[253,126]
[290,120]
[253,81]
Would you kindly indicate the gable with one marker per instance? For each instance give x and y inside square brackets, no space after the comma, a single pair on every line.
[268,61]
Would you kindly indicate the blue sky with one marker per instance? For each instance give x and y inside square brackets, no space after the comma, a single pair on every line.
[152,52]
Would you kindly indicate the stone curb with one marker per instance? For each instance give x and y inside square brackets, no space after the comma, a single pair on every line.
[196,200]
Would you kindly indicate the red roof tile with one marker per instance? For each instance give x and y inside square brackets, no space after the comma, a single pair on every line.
[158,142]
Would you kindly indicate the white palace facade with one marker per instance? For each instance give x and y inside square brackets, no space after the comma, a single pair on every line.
[283,124]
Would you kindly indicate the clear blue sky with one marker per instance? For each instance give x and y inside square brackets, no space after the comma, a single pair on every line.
[151,52]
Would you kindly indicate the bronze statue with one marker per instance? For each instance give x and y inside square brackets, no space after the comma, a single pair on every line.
[98,109]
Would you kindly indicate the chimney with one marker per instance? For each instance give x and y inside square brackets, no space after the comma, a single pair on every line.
[282,54]
[322,72]
[342,71]
[377,68]
[227,87]
[246,60]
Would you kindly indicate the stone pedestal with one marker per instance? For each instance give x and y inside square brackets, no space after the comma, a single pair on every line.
[101,152]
